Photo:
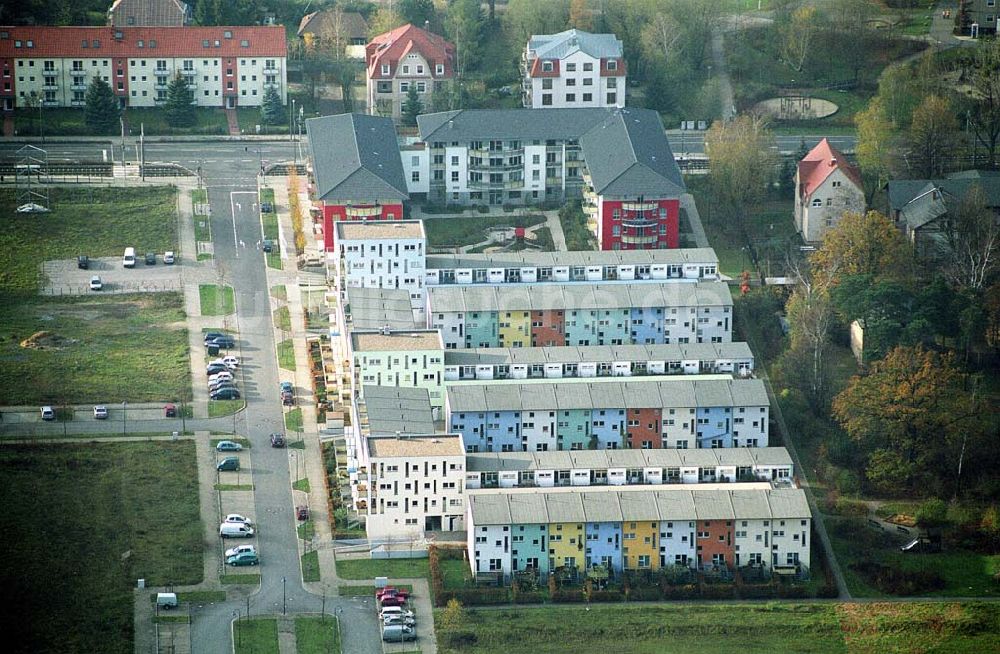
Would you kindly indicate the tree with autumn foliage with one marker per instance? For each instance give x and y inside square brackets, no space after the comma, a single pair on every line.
[862,244]
[908,416]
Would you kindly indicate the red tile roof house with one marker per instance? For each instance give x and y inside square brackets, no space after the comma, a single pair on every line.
[826,186]
[227,66]
[407,56]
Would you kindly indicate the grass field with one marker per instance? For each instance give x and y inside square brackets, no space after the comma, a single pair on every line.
[310,566]
[317,636]
[293,420]
[727,629]
[466,230]
[216,300]
[256,636]
[94,349]
[282,319]
[83,522]
[98,222]
[70,122]
[371,568]
[286,354]
[301,485]
[246,578]
[218,408]
[202,221]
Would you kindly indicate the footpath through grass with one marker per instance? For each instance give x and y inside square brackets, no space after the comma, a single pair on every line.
[81,524]
[94,349]
[319,635]
[725,629]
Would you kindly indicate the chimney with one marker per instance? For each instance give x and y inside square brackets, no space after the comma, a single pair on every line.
[833,162]
[451,124]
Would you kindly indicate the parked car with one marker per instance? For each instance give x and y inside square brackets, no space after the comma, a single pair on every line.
[393,601]
[48,413]
[236,517]
[226,342]
[225,394]
[287,399]
[390,591]
[212,369]
[223,386]
[95,283]
[398,619]
[287,386]
[231,361]
[233,551]
[302,512]
[100,413]
[150,258]
[243,558]
[277,440]
[169,410]
[83,262]
[268,245]
[228,446]
[211,336]
[266,207]
[398,632]
[166,601]
[168,257]
[230,463]
[235,530]
[224,374]
[395,610]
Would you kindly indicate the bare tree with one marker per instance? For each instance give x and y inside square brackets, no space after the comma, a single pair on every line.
[798,37]
[661,37]
[984,116]
[973,243]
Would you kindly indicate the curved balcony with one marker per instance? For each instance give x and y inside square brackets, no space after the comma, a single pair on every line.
[644,239]
[638,222]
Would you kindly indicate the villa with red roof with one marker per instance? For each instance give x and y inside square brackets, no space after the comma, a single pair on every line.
[826,186]
[225,66]
[403,58]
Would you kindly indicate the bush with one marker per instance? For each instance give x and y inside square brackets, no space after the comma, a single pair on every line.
[932,513]
[789,591]
[687,591]
[756,591]
[482,208]
[896,581]
[718,591]
[607,596]
[568,595]
[460,639]
[474,597]
[644,594]
[529,597]
[848,507]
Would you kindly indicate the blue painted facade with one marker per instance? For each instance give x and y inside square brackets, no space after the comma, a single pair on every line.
[581,328]
[646,325]
[503,432]
[472,426]
[715,423]
[604,545]
[607,425]
[613,327]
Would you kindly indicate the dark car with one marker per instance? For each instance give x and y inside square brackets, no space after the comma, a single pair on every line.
[287,399]
[266,207]
[302,512]
[150,258]
[286,386]
[219,385]
[277,440]
[170,410]
[211,336]
[225,394]
[83,262]
[215,367]
[268,245]
[226,342]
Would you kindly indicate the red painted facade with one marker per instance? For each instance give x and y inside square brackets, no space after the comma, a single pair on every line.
[643,428]
[648,224]
[548,328]
[9,84]
[335,212]
[719,541]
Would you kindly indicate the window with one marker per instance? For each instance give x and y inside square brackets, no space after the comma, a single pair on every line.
[571,81]
[571,97]
[612,98]
[385,69]
[589,81]
[547,67]
[588,97]
[817,202]
[588,67]
[612,82]
[547,83]
[612,64]
[406,69]
[546,99]
[454,175]
[570,68]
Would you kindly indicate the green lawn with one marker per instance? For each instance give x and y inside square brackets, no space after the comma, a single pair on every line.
[310,566]
[286,354]
[282,319]
[232,487]
[293,420]
[126,511]
[574,224]
[218,408]
[216,300]
[392,568]
[468,230]
[249,119]
[279,292]
[301,485]
[726,629]
[98,222]
[306,530]
[80,350]
[273,260]
[317,636]
[202,221]
[256,636]
[70,122]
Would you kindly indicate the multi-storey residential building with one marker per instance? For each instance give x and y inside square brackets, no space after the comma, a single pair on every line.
[525,267]
[408,359]
[374,309]
[598,361]
[580,314]
[357,171]
[225,66]
[331,29]
[385,411]
[618,160]
[573,69]
[404,58]
[149,13]
[826,186]
[381,254]
[608,413]
[628,467]
[412,484]
[636,528]
[977,17]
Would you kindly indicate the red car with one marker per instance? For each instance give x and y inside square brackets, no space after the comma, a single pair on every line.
[390,591]
[302,512]
[393,600]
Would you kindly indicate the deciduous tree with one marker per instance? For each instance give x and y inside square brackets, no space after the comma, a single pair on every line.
[984,115]
[743,164]
[874,148]
[101,109]
[798,36]
[384,20]
[464,22]
[932,139]
[811,317]
[418,12]
[580,16]
[973,243]
[862,244]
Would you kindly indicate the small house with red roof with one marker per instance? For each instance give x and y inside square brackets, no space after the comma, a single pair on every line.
[826,186]
[406,57]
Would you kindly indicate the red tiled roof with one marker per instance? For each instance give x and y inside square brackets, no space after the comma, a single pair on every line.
[619,69]
[822,160]
[56,42]
[392,46]
[536,68]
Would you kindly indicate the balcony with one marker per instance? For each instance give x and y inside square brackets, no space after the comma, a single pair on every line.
[161,71]
[639,240]
[78,87]
[78,103]
[162,87]
[49,86]
[497,186]
[189,72]
[638,222]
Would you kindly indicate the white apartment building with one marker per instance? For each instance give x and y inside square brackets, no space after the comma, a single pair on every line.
[573,69]
[413,359]
[414,484]
[225,66]
[381,254]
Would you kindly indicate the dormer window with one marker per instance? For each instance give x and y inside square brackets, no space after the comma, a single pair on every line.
[227,34]
[546,66]
[385,69]
[612,64]
[439,69]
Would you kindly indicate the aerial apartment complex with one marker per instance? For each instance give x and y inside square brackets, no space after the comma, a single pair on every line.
[573,69]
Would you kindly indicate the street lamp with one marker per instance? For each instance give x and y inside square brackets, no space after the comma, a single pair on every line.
[283,596]
[291,119]
[124,404]
[239,633]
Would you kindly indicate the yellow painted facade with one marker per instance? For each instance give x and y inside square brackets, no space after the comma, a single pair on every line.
[641,539]
[515,328]
[567,544]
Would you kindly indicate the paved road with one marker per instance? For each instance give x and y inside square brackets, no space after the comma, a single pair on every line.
[693,142]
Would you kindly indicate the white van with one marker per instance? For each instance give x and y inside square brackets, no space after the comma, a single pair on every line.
[129,259]
[235,530]
[166,601]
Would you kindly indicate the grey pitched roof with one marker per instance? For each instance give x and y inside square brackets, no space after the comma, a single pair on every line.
[353,25]
[398,409]
[356,158]
[375,308]
[598,353]
[629,155]
[563,44]
[510,124]
[528,258]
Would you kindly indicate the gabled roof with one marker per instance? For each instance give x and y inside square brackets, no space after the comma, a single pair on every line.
[149,12]
[171,41]
[353,24]
[390,47]
[563,44]
[509,124]
[356,159]
[822,160]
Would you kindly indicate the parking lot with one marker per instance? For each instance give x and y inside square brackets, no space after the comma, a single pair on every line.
[64,277]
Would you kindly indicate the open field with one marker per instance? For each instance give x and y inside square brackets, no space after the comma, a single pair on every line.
[98,222]
[90,349]
[469,230]
[319,635]
[392,568]
[727,629]
[82,523]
